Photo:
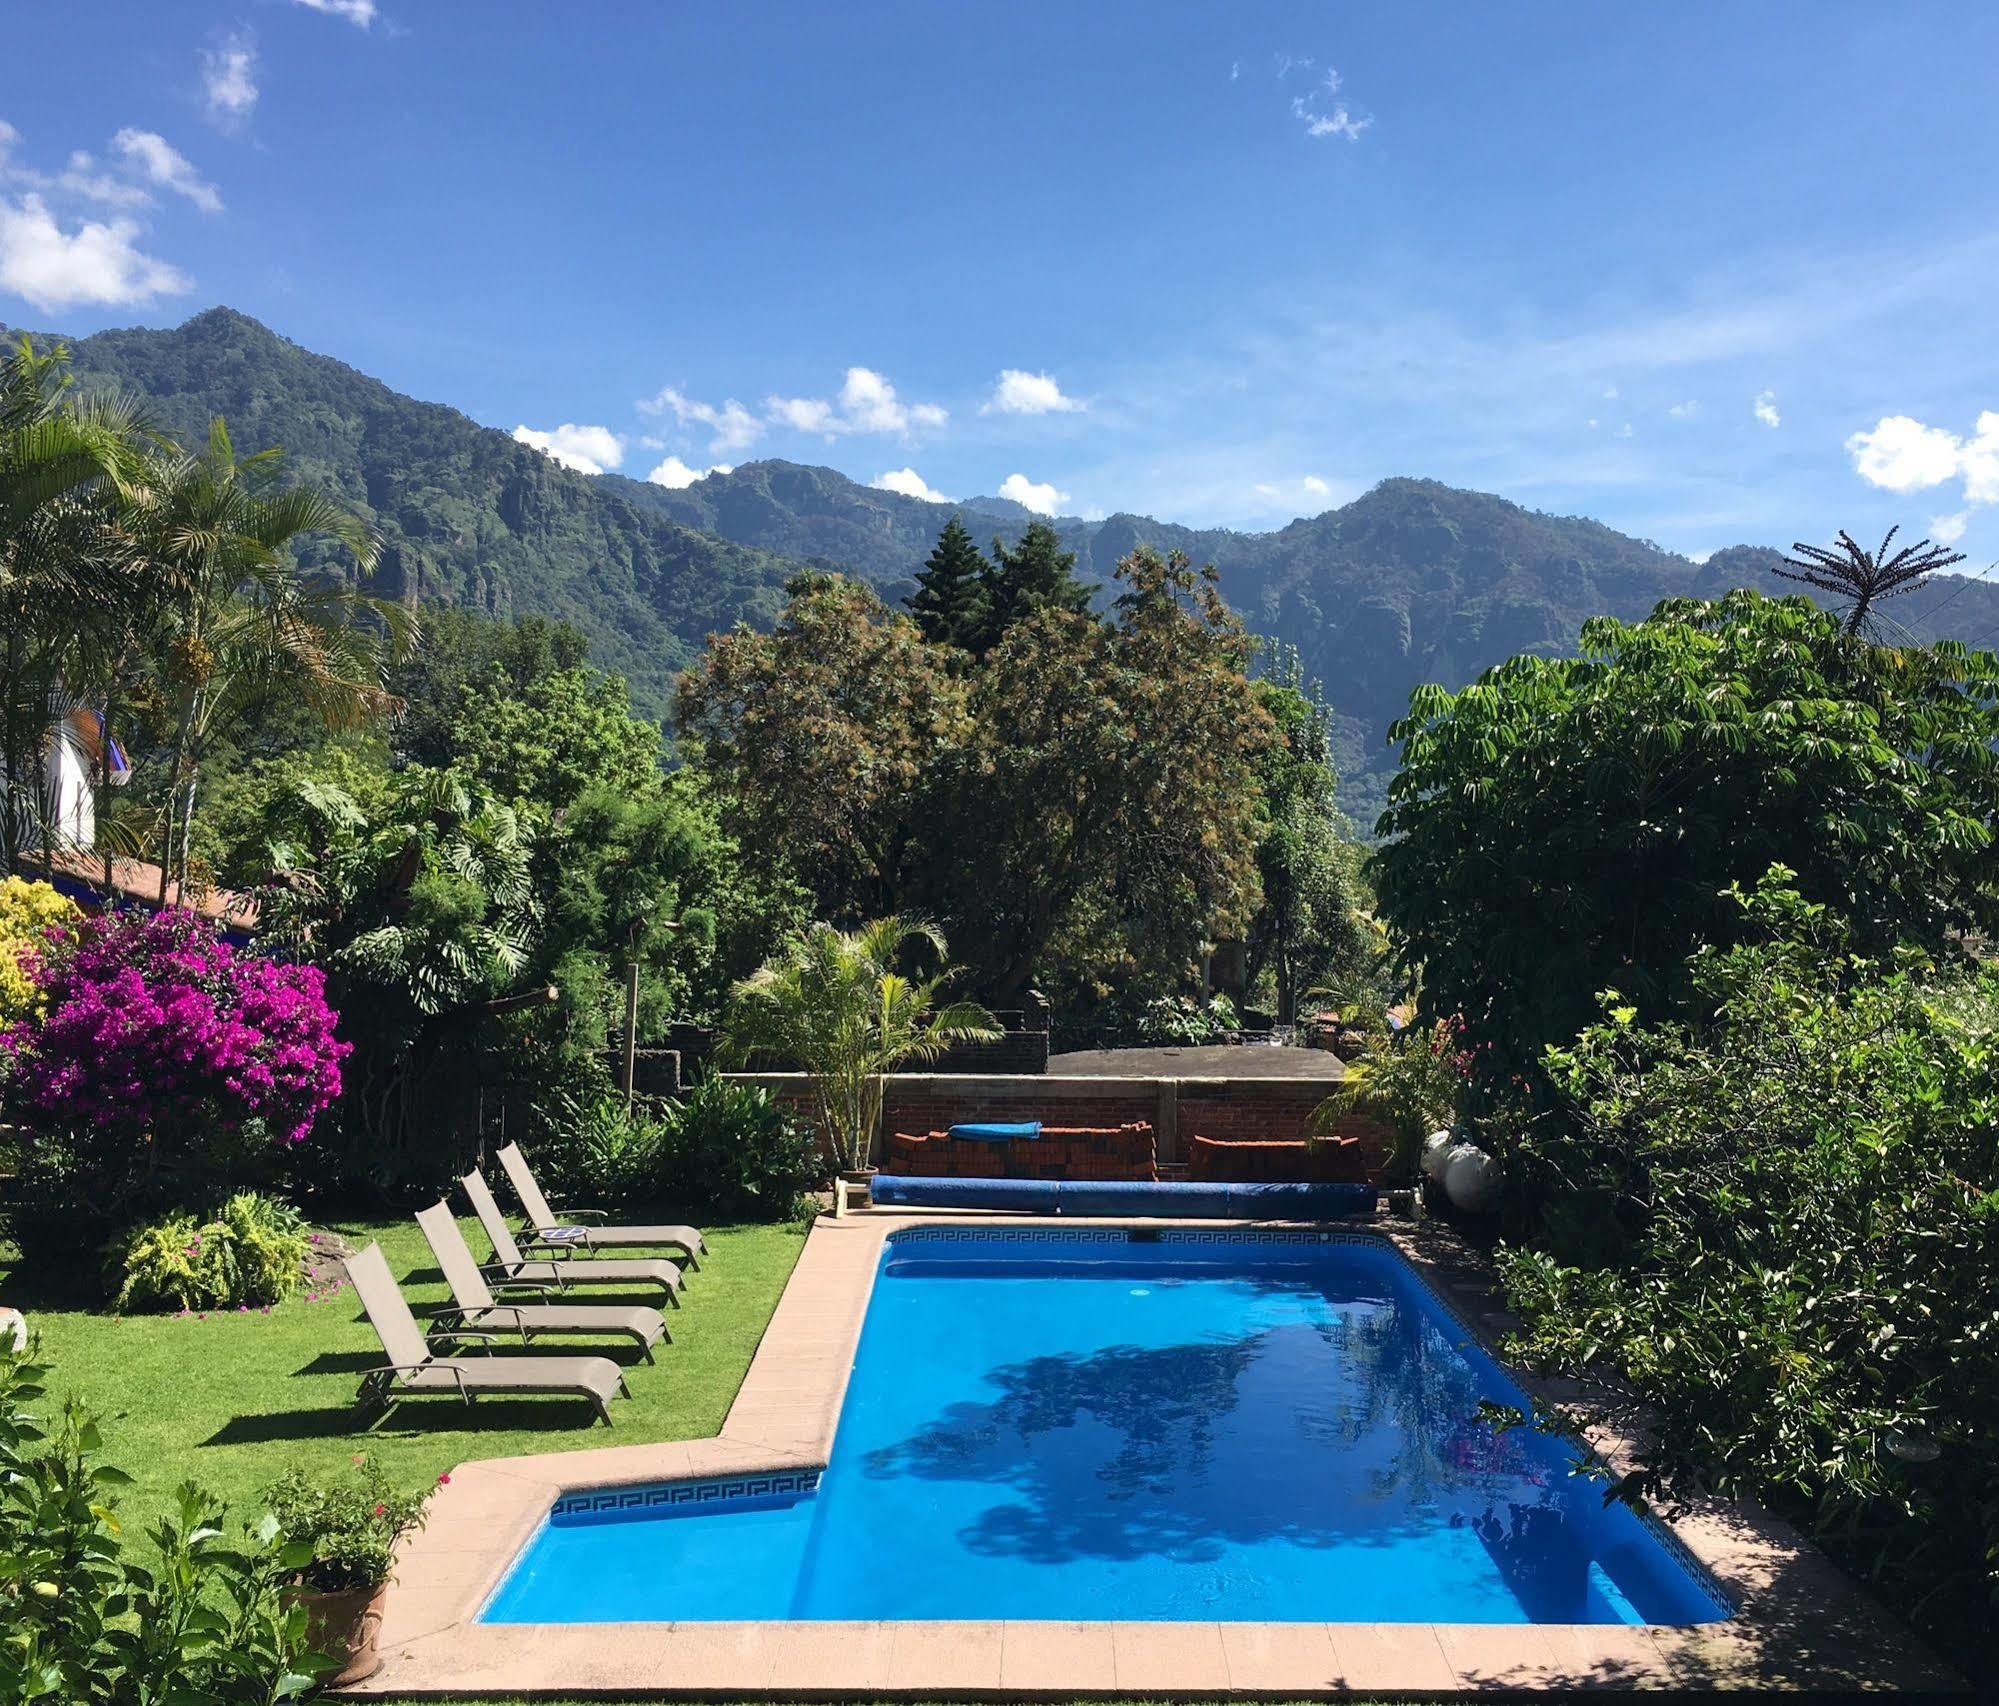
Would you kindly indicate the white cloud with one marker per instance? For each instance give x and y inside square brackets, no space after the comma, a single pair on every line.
[1625,430]
[1900,454]
[1019,392]
[1949,529]
[1766,409]
[1609,393]
[229,80]
[1684,411]
[910,484]
[82,178]
[97,262]
[867,404]
[148,152]
[1288,63]
[674,473]
[732,426]
[587,449]
[1316,487]
[360,13]
[807,414]
[1042,499]
[1699,556]
[1338,122]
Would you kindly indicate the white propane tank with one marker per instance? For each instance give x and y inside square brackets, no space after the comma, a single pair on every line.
[1436,1151]
[1471,1178]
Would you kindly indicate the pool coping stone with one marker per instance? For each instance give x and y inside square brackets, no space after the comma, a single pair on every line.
[1800,1624]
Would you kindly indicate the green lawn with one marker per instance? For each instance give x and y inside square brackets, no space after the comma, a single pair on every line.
[233,1401]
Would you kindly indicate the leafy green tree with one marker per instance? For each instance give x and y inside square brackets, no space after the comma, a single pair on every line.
[834,1004]
[543,743]
[1309,930]
[1104,814]
[1022,580]
[462,649]
[824,738]
[1563,826]
[949,601]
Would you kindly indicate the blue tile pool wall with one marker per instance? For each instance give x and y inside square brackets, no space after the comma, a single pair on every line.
[989,1463]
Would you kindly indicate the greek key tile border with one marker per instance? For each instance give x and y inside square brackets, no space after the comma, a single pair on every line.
[665,1495]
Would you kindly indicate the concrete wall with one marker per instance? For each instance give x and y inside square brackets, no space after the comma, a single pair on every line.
[1178,1108]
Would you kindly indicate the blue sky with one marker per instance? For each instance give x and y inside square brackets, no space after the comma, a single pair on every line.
[1710,272]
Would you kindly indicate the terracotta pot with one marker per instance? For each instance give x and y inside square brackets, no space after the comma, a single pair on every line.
[344,1625]
[858,1175]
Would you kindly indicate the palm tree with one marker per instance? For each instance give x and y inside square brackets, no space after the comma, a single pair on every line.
[237,622]
[833,1004]
[65,575]
[1864,577]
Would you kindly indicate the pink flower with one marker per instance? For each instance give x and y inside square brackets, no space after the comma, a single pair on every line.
[444,1480]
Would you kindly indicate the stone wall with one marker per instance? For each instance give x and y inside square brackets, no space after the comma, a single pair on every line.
[1177,1108]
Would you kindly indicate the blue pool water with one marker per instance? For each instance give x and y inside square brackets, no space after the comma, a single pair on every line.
[1073,1425]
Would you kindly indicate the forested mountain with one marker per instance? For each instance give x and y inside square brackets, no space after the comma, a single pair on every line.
[467,516]
[1415,581]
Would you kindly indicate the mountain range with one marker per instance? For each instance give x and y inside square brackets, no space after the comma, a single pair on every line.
[1414,581]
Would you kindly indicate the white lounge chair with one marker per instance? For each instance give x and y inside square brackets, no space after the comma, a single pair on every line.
[573,1228]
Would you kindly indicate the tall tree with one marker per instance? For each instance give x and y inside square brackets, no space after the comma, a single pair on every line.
[1034,575]
[1105,816]
[1309,929]
[825,736]
[949,600]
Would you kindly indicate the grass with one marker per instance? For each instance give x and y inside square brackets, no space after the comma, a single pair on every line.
[233,1401]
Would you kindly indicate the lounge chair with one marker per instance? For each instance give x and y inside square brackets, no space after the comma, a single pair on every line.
[414,1367]
[552,1230]
[509,1265]
[477,1308]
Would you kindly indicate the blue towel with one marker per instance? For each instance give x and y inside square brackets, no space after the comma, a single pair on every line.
[991,1132]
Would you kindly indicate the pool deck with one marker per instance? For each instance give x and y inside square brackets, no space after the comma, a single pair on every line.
[1801,1625]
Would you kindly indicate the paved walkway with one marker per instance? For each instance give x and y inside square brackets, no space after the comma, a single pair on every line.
[1243,1060]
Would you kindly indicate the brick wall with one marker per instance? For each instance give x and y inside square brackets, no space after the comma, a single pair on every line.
[1177,1108]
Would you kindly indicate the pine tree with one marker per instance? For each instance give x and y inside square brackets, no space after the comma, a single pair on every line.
[1037,574]
[948,603]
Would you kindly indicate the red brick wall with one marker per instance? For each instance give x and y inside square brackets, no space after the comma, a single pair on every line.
[1179,1109]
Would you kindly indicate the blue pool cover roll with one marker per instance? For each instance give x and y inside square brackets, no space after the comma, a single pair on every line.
[1167,1198]
[995,1131]
[1023,1196]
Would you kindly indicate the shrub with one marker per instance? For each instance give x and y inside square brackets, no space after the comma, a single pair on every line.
[1790,1248]
[1180,1020]
[1412,1080]
[207,1621]
[33,918]
[346,1530]
[253,1251]
[167,1058]
[735,1152]
[724,1151]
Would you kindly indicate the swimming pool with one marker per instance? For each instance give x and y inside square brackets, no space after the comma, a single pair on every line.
[1145,1425]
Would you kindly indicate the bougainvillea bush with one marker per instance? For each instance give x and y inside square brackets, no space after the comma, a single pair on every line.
[166,1060]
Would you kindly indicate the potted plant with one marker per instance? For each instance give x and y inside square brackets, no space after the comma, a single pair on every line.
[352,1526]
[833,1004]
